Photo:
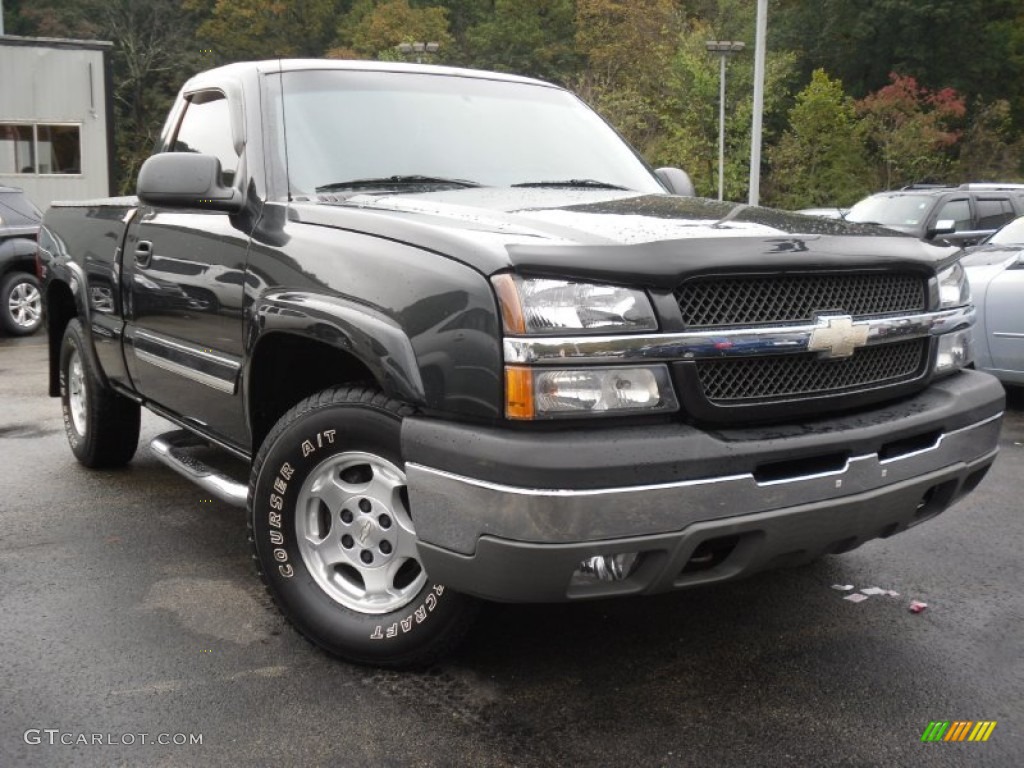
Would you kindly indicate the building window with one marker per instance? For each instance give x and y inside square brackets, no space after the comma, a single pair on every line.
[40,149]
[17,149]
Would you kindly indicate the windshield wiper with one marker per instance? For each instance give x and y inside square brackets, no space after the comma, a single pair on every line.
[393,181]
[593,183]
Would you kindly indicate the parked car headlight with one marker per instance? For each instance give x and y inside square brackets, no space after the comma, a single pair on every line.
[544,306]
[954,288]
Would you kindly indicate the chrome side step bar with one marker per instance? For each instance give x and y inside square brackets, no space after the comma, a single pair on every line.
[170,448]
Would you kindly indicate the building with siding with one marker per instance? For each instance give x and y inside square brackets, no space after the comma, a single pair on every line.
[56,118]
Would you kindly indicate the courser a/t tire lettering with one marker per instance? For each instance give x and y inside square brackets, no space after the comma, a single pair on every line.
[334,538]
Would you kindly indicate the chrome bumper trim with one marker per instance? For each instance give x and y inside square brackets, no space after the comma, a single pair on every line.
[453,511]
[742,342]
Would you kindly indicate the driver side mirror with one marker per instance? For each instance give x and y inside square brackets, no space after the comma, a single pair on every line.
[186,180]
[677,180]
[942,227]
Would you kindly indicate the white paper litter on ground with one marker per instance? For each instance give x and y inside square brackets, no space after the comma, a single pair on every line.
[874,591]
[856,597]
[842,587]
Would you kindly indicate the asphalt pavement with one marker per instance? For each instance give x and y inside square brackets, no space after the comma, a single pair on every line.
[130,614]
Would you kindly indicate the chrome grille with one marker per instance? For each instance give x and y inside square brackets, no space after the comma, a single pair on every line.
[762,379]
[761,300]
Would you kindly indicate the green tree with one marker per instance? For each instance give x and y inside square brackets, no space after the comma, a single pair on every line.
[911,130]
[689,112]
[991,150]
[820,159]
[624,87]
[527,37]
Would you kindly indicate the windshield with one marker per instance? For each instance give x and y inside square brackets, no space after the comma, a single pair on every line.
[1011,234]
[344,126]
[892,210]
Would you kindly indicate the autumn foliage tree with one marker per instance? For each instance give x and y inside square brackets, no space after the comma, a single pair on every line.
[373,30]
[911,129]
[237,30]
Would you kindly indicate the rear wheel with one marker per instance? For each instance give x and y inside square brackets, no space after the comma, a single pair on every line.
[102,426]
[21,304]
[334,535]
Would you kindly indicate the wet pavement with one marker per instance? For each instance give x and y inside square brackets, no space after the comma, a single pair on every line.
[129,606]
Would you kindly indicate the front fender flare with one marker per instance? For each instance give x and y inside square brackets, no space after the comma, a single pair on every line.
[373,338]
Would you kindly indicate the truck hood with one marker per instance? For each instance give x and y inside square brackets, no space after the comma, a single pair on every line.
[604,234]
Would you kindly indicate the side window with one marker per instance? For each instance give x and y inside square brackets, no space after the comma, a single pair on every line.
[957,210]
[206,129]
[993,213]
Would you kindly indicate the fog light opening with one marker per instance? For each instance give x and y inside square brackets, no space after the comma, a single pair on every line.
[617,567]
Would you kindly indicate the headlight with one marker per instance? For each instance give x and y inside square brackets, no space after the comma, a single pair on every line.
[542,306]
[954,288]
[541,393]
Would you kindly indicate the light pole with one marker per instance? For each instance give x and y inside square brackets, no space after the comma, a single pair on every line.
[723,49]
[755,128]
[418,48]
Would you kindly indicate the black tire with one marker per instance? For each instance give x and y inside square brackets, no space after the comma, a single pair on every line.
[21,304]
[102,426]
[327,436]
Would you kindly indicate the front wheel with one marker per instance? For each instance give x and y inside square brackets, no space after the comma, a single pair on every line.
[334,536]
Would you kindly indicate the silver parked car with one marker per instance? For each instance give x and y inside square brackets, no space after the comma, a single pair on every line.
[996,271]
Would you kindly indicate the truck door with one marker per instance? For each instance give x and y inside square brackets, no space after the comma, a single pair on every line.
[183,273]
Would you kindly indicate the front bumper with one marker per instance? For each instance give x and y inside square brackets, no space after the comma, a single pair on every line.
[509,515]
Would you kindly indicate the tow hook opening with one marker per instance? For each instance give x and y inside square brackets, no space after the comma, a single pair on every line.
[934,500]
[711,553]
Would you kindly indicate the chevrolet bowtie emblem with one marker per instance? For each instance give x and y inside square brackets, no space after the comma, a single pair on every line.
[837,336]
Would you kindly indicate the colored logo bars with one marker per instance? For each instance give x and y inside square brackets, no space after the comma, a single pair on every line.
[958,730]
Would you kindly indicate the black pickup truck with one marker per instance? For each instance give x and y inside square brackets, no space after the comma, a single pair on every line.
[471,346]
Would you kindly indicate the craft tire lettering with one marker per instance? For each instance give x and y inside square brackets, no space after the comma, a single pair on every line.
[358,419]
[109,435]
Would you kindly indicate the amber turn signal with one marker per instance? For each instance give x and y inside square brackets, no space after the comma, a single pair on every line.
[518,392]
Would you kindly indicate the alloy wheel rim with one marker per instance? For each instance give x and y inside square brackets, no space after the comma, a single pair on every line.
[77,396]
[25,305]
[355,533]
